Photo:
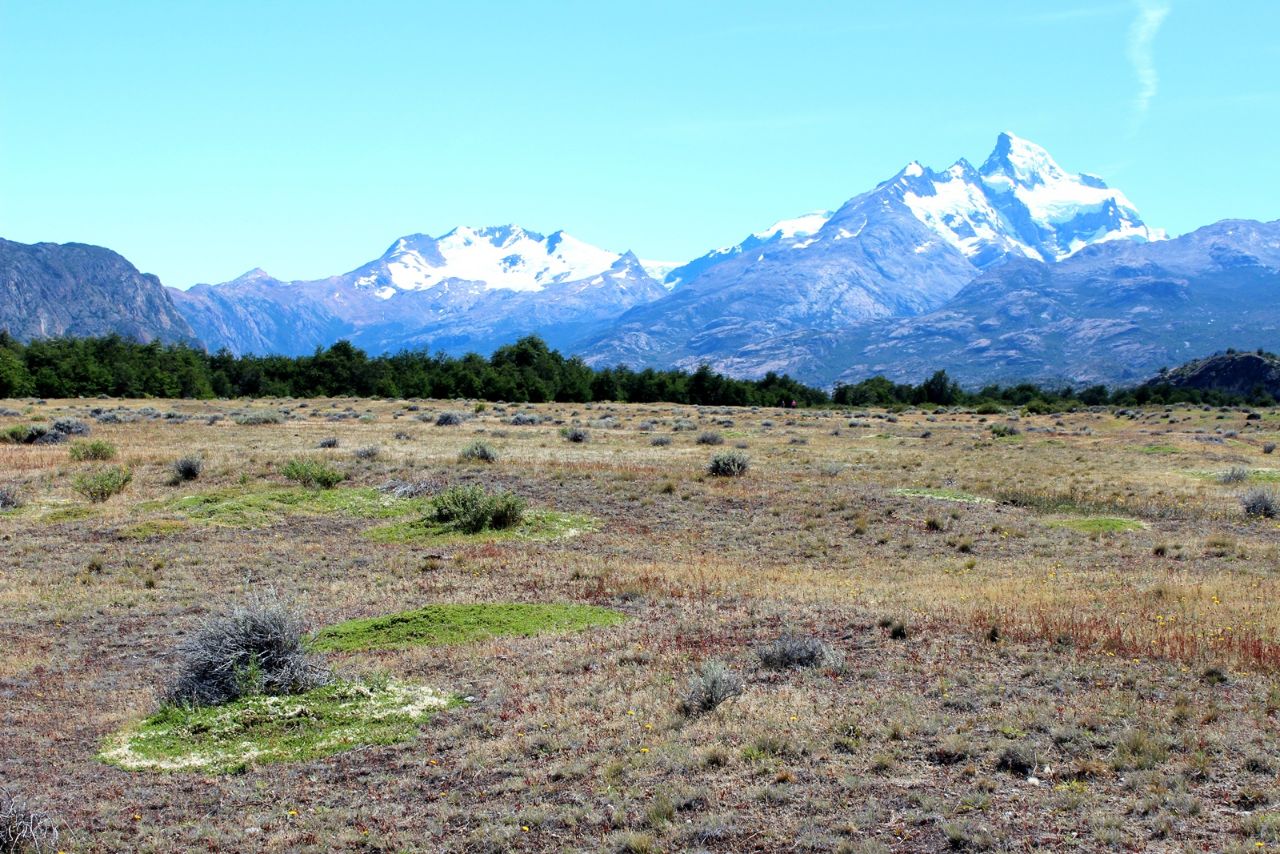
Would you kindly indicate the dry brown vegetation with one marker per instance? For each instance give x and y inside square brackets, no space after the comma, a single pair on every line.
[1007,671]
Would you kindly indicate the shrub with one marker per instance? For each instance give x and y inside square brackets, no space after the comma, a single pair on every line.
[1001,431]
[70,427]
[524,419]
[329,442]
[1269,447]
[710,438]
[31,434]
[369,452]
[478,452]
[102,484]
[578,435]
[10,497]
[312,473]
[450,419]
[791,650]
[731,464]
[24,828]
[253,649]
[263,416]
[93,450]
[470,509]
[186,468]
[713,684]
[660,441]
[1260,502]
[1235,474]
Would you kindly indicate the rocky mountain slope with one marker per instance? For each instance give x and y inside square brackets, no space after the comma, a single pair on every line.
[471,289]
[903,248]
[1111,313]
[72,289]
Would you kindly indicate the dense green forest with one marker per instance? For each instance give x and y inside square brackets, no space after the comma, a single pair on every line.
[524,371]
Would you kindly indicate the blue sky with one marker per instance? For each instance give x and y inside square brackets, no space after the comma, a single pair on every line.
[201,139]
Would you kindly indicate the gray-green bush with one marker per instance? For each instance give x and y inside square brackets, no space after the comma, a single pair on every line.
[253,649]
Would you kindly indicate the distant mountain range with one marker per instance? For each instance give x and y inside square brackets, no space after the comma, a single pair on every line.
[1013,270]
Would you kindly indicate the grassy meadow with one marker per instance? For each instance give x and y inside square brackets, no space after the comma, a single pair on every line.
[950,630]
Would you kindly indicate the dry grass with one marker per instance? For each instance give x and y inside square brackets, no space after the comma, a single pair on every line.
[1125,698]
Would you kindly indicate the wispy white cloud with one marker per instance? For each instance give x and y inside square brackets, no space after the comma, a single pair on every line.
[1142,36]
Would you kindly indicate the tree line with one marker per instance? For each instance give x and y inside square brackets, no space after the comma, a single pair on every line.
[526,371]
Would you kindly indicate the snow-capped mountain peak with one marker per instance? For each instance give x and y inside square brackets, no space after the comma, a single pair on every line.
[801,226]
[1019,202]
[505,257]
[1021,161]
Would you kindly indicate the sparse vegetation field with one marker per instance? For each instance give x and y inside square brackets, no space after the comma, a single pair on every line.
[587,627]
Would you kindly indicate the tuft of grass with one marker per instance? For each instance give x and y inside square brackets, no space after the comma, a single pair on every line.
[442,625]
[103,483]
[93,450]
[263,729]
[1098,524]
[312,473]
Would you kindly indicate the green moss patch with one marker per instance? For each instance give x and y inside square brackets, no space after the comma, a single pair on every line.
[438,625]
[944,495]
[151,529]
[258,508]
[538,525]
[262,729]
[72,513]
[1098,524]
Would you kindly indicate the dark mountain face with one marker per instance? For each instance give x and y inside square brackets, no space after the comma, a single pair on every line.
[1243,374]
[1113,313]
[50,290]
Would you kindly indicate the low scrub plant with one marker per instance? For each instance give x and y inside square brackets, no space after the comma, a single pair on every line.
[369,452]
[450,419]
[23,827]
[712,685]
[95,449]
[185,469]
[10,497]
[1260,503]
[258,417]
[577,435]
[312,473]
[103,483]
[471,509]
[794,651]
[1235,474]
[710,438]
[253,649]
[478,452]
[730,464]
